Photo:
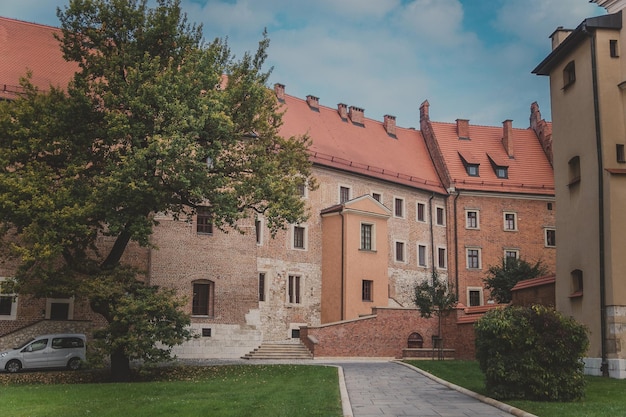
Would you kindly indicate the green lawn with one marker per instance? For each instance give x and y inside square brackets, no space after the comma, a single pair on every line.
[604,397]
[249,390]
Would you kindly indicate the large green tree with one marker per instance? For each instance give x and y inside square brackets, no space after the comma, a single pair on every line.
[154,121]
[502,278]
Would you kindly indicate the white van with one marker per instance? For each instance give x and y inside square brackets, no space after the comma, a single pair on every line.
[46,351]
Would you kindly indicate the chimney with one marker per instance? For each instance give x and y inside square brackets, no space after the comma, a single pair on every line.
[462,128]
[356,114]
[507,137]
[559,36]
[424,111]
[542,129]
[279,90]
[313,102]
[342,109]
[389,123]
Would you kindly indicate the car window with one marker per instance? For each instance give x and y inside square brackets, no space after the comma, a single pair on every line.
[67,342]
[37,345]
[24,344]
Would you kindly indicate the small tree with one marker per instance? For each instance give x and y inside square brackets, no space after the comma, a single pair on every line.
[502,278]
[436,298]
[532,353]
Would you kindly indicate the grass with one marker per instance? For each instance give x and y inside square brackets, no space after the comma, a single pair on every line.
[248,390]
[604,397]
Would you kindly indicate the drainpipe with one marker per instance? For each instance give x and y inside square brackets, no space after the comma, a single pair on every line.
[343,279]
[604,368]
[456,247]
[432,238]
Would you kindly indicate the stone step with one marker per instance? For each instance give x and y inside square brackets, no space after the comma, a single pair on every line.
[279,351]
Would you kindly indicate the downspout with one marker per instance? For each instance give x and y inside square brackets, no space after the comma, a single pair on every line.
[604,368]
[343,279]
[456,248]
[432,238]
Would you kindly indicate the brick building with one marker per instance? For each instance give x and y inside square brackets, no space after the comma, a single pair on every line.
[392,209]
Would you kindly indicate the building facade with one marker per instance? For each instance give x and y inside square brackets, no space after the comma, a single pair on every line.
[587,78]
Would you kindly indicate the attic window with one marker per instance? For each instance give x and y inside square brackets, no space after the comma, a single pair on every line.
[500,167]
[472,170]
[470,162]
[502,172]
[569,74]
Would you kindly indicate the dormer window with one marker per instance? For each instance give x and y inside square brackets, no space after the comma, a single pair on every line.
[499,165]
[470,163]
[502,172]
[472,170]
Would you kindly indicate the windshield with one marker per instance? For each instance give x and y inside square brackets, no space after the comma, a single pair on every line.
[25,343]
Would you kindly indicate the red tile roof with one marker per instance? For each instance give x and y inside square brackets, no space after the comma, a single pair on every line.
[529,171]
[535,282]
[364,148]
[29,46]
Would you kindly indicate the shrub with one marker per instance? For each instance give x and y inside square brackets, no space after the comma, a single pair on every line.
[532,353]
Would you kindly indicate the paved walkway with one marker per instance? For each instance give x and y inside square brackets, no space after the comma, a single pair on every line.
[390,389]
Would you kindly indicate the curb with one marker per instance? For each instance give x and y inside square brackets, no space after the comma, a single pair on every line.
[495,403]
[346,406]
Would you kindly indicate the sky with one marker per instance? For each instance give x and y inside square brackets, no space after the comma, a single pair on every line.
[471,59]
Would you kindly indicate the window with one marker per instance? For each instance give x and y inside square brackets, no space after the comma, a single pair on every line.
[613,48]
[550,238]
[473,258]
[366,236]
[400,254]
[344,194]
[421,212]
[302,188]
[203,293]
[204,223]
[367,290]
[421,255]
[574,170]
[299,237]
[59,308]
[474,296]
[621,156]
[471,219]
[472,170]
[549,205]
[577,283]
[398,207]
[378,197]
[502,172]
[258,230]
[510,221]
[261,286]
[8,306]
[569,74]
[511,255]
[293,290]
[441,258]
[441,218]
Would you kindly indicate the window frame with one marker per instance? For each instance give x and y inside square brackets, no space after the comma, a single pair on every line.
[204,221]
[422,259]
[569,74]
[473,260]
[379,194]
[399,205]
[442,257]
[371,239]
[403,252]
[13,299]
[341,196]
[546,231]
[506,221]
[262,285]
[573,166]
[440,220]
[513,251]
[294,289]
[472,170]
[421,218]
[476,225]
[60,300]
[367,290]
[480,292]
[296,229]
[258,230]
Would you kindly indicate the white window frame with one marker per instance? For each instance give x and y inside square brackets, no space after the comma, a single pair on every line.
[425,264]
[300,287]
[305,191]
[13,314]
[305,238]
[70,310]
[403,202]
[372,237]
[339,193]
[467,226]
[479,290]
[504,225]
[516,251]
[404,252]
[380,194]
[417,204]
[545,237]
[445,258]
[467,258]
[443,217]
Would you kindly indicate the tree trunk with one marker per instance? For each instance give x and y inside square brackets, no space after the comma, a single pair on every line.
[120,366]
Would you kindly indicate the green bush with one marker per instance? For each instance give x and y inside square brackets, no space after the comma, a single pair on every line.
[532,353]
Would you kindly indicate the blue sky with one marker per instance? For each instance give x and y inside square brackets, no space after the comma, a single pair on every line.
[471,59]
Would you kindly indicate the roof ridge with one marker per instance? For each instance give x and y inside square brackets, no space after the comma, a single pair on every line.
[11,19]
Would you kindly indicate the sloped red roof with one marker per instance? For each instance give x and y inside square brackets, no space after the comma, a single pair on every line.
[529,171]
[363,148]
[535,282]
[29,46]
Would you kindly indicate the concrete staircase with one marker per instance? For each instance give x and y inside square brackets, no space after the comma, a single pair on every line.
[280,351]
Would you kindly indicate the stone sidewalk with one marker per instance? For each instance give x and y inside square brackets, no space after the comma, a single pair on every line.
[385,389]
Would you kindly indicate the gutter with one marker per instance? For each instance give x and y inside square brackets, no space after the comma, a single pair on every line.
[432,238]
[456,247]
[343,265]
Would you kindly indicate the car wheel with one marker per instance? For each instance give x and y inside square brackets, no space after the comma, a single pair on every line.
[13,366]
[74,364]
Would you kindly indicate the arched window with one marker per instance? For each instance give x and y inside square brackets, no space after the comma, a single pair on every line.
[203,294]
